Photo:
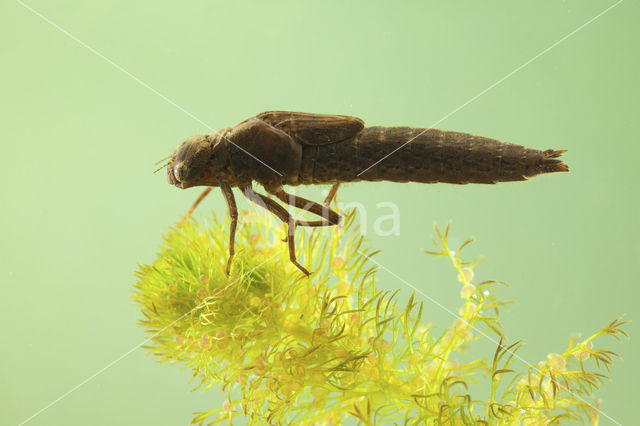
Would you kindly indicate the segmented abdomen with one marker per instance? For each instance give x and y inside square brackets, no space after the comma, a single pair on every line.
[431,156]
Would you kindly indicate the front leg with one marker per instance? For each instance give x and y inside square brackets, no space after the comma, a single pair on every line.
[233,214]
[193,207]
[282,214]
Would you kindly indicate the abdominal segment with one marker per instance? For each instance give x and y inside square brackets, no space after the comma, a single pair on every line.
[408,154]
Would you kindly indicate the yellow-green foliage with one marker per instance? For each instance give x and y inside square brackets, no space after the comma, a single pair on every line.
[286,349]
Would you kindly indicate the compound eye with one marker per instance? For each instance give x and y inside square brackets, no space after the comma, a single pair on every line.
[180,172]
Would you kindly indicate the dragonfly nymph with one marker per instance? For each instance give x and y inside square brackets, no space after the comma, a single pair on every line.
[278,148]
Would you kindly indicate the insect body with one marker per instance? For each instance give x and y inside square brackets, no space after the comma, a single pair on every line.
[277,148]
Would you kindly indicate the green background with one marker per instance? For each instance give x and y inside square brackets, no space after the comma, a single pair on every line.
[81,206]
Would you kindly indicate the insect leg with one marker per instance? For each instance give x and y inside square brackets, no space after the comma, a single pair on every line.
[233,214]
[331,195]
[283,215]
[193,207]
[330,217]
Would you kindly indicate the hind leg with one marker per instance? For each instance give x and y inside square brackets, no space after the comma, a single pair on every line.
[330,217]
[331,195]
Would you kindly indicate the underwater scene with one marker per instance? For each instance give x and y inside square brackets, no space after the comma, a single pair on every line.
[356,213]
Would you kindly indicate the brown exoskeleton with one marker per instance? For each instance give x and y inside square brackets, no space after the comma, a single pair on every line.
[277,148]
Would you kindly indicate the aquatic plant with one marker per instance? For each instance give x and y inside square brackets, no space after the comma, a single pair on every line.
[286,349]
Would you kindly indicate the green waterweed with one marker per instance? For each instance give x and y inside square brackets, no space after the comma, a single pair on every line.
[286,349]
